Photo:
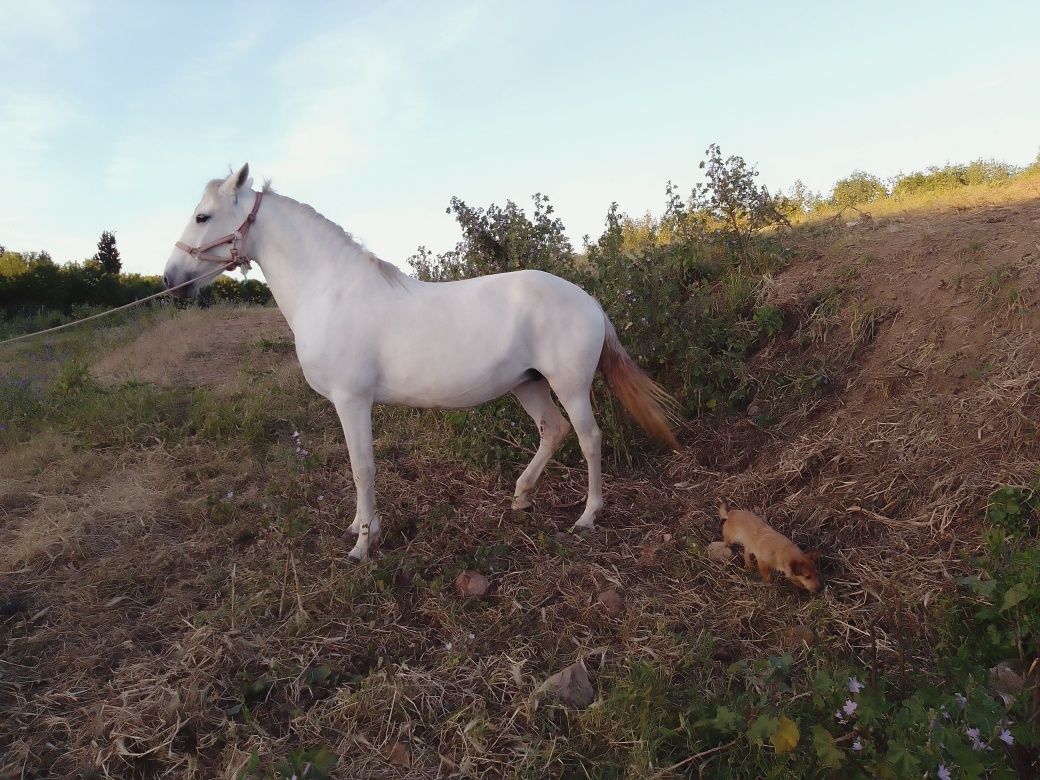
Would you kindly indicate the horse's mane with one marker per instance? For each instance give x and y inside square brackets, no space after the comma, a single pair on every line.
[390,272]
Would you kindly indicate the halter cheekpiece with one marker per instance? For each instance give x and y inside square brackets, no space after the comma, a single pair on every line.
[237,240]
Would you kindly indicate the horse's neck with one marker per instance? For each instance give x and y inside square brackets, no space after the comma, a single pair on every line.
[303,257]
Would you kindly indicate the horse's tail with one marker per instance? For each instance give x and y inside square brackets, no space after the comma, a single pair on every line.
[649,403]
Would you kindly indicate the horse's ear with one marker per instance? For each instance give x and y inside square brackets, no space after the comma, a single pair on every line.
[236,181]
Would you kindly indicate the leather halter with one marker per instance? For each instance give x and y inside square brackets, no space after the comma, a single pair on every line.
[237,240]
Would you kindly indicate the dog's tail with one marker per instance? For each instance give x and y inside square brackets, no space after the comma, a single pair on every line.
[723,511]
[649,403]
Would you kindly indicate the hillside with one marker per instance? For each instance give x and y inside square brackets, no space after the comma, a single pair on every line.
[176,558]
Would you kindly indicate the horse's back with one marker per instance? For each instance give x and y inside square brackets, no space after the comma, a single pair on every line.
[461,343]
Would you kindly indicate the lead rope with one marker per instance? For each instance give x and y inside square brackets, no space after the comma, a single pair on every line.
[130,305]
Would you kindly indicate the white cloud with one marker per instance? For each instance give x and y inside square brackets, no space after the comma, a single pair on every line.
[339,90]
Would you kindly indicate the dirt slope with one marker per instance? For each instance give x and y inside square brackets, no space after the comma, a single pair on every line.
[924,329]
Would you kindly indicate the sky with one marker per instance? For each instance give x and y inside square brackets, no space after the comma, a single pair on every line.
[113,115]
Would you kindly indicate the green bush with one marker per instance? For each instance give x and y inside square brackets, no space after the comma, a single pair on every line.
[857,188]
[949,177]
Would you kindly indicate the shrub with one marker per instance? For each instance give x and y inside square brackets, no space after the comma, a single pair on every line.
[948,177]
[859,187]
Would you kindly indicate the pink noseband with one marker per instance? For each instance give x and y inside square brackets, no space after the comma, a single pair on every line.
[237,240]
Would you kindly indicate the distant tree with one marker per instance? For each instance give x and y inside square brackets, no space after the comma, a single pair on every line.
[858,187]
[108,255]
[43,257]
[12,264]
[800,199]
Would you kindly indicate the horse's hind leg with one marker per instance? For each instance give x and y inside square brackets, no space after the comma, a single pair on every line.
[579,408]
[537,401]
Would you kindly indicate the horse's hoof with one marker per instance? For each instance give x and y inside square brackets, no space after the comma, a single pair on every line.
[522,503]
[582,528]
[354,559]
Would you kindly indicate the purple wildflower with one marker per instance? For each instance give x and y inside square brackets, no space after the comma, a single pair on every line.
[976,741]
[855,686]
[1006,737]
[850,707]
[943,773]
[857,745]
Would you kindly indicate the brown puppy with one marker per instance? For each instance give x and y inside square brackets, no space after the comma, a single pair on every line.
[772,550]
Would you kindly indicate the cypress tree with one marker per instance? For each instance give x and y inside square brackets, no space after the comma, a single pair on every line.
[107,254]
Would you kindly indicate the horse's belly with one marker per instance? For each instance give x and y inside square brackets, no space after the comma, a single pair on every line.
[464,390]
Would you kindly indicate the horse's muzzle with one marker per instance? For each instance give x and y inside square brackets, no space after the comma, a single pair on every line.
[181,293]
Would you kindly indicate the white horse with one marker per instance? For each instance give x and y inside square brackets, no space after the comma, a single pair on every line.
[366,333]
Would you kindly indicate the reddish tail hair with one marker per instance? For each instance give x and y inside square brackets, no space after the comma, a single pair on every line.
[649,403]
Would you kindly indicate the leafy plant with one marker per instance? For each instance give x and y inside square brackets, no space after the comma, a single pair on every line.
[857,188]
[1014,508]
[770,320]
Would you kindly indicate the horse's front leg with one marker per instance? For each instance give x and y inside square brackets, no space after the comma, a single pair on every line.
[356,416]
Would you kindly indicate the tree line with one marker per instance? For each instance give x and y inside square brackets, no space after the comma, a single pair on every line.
[32,281]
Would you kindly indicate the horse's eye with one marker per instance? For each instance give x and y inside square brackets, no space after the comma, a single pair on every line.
[200,218]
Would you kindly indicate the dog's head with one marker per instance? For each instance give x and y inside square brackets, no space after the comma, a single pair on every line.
[803,572]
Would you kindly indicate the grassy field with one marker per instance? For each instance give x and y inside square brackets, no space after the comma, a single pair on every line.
[178,603]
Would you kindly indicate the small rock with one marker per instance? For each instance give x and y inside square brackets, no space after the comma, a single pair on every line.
[471,583]
[720,551]
[572,686]
[1004,679]
[667,537]
[753,410]
[611,602]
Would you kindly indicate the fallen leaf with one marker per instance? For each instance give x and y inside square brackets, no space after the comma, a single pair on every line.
[572,686]
[471,583]
[611,602]
[720,551]
[786,735]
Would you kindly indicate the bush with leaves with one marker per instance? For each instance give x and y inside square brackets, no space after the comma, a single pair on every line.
[499,239]
[227,289]
[949,177]
[857,188]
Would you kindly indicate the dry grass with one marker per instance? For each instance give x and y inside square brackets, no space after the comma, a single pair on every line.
[1020,188]
[172,352]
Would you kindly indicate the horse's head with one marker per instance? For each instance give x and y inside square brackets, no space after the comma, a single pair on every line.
[220,214]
